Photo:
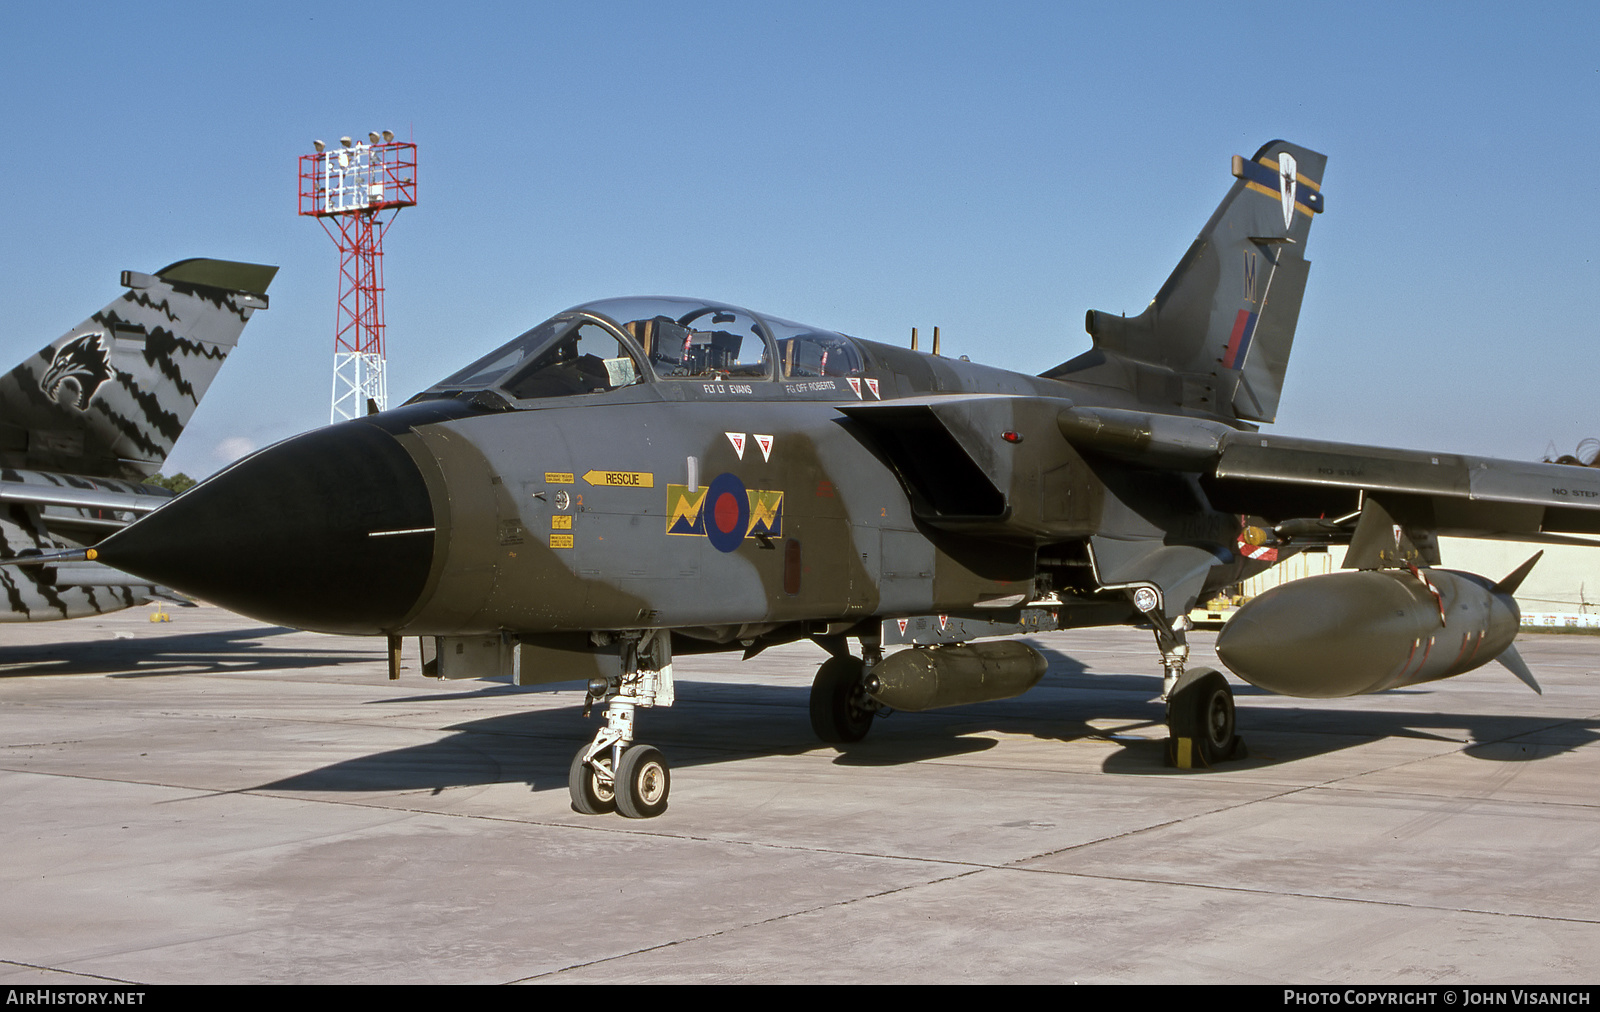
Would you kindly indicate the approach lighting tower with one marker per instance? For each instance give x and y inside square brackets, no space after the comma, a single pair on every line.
[355,191]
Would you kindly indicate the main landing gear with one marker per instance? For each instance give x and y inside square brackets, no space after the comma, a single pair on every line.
[1200,721]
[1200,718]
[613,772]
[841,710]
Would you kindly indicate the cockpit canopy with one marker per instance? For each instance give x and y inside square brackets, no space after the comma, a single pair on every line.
[614,343]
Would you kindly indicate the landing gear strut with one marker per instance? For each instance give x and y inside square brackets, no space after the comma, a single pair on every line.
[1200,719]
[613,772]
[841,710]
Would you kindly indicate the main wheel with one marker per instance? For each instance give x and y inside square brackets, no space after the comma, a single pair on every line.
[643,782]
[1202,713]
[590,794]
[837,711]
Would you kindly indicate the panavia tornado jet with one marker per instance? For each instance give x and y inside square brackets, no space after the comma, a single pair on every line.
[647,477]
[88,418]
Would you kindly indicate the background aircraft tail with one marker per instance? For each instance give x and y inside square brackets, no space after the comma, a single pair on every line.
[1216,338]
[110,397]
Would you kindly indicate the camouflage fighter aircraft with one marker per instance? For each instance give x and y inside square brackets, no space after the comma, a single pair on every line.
[88,418]
[638,478]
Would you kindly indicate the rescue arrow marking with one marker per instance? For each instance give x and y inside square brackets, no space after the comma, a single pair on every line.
[621,479]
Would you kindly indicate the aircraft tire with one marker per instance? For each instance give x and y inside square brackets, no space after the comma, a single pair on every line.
[590,794]
[835,716]
[643,782]
[1202,712]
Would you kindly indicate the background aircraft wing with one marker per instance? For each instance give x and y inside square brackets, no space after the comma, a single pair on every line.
[89,497]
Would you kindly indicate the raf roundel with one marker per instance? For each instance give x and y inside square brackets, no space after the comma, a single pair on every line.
[728,512]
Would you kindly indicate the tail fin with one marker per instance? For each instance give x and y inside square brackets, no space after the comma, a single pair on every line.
[1216,338]
[110,397]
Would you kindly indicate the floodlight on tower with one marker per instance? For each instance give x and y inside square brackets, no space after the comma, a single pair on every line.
[355,192]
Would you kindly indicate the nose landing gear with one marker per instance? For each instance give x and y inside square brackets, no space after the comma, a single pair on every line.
[613,773]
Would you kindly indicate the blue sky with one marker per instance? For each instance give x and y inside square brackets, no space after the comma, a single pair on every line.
[993,169]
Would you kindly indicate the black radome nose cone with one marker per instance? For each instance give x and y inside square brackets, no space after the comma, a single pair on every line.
[330,531]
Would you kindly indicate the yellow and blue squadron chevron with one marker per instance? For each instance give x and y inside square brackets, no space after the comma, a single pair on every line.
[686,511]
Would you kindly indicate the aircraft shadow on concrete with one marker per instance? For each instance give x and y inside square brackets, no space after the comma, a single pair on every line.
[719,722]
[230,650]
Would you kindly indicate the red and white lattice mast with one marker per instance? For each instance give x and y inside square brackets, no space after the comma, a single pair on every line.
[355,191]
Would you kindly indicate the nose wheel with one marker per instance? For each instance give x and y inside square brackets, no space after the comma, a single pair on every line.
[637,789]
[642,783]
[614,773]
[592,787]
